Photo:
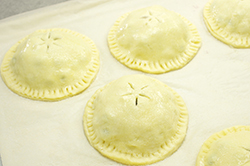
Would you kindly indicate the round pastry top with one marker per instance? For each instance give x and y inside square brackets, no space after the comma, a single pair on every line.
[59,62]
[138,117]
[153,35]
[229,147]
[229,23]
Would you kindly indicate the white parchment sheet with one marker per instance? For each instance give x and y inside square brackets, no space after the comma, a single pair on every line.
[215,86]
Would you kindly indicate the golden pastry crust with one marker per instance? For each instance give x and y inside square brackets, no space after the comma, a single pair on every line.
[50,64]
[153,40]
[230,147]
[229,23]
[135,120]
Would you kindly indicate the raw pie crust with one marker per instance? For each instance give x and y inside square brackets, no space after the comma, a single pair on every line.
[153,40]
[229,147]
[136,120]
[229,21]
[50,64]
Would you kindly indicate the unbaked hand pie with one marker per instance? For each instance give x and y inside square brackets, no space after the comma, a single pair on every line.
[153,40]
[136,119]
[229,147]
[50,64]
[229,21]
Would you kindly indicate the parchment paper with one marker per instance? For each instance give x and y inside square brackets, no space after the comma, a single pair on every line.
[215,86]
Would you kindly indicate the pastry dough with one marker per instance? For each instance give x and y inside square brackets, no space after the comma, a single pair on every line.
[50,64]
[136,120]
[230,147]
[153,40]
[229,23]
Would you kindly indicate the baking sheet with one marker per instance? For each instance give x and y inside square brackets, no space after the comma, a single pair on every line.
[13,7]
[214,85]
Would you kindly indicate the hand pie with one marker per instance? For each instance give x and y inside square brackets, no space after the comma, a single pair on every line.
[229,21]
[50,64]
[230,147]
[136,120]
[153,40]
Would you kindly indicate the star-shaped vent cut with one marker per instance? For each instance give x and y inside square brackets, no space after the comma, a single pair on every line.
[137,93]
[49,40]
[149,17]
